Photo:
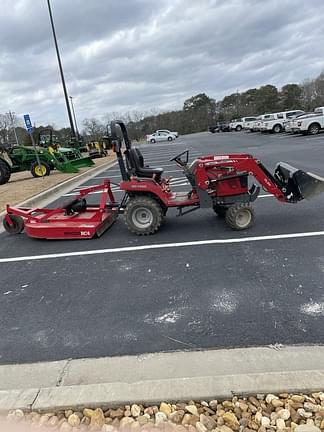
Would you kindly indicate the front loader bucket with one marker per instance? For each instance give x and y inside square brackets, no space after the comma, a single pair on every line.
[66,167]
[309,184]
[82,162]
[298,184]
[72,159]
[71,165]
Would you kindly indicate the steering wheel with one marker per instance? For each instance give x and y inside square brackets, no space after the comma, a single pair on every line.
[178,157]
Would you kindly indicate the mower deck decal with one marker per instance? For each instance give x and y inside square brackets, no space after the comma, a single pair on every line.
[163,246]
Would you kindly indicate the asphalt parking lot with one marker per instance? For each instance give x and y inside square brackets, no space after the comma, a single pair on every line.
[195,284]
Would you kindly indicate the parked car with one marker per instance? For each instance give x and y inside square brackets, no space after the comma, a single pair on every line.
[256,125]
[160,136]
[275,123]
[248,124]
[291,123]
[238,124]
[270,119]
[176,134]
[219,127]
[310,124]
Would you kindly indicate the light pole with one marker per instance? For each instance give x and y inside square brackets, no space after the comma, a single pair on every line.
[75,121]
[61,72]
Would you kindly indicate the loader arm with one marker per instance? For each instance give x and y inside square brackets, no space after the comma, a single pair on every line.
[247,163]
[265,178]
[287,184]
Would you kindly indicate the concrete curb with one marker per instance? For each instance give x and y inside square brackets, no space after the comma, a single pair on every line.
[182,389]
[152,378]
[44,198]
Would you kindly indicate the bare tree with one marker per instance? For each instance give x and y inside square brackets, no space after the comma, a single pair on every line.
[93,129]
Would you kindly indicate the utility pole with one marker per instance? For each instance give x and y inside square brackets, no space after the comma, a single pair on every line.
[75,122]
[61,72]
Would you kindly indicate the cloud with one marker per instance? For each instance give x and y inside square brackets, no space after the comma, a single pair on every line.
[140,54]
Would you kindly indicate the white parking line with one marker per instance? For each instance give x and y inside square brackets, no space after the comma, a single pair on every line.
[163,246]
[118,176]
[155,162]
[177,151]
[117,170]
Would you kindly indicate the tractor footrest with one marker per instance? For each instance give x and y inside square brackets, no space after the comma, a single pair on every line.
[180,196]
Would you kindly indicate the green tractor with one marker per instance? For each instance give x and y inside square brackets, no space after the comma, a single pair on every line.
[48,140]
[21,158]
[24,158]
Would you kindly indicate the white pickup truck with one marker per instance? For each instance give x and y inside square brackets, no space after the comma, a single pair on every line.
[275,123]
[238,124]
[310,123]
[290,123]
[248,122]
[256,125]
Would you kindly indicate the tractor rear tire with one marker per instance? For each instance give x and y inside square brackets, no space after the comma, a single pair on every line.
[5,172]
[143,215]
[240,216]
[17,225]
[40,171]
[220,210]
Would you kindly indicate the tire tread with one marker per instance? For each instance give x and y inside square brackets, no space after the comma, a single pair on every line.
[144,201]
[5,172]
[230,216]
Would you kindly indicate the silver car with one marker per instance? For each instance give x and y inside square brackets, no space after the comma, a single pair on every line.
[160,136]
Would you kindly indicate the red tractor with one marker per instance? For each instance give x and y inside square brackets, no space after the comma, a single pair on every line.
[219,182]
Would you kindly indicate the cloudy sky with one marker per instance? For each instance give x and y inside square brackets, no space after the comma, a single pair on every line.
[126,55]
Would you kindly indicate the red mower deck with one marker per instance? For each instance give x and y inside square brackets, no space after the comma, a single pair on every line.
[75,220]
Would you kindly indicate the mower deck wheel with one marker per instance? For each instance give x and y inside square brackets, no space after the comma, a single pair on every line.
[17,225]
[240,216]
[143,215]
[220,210]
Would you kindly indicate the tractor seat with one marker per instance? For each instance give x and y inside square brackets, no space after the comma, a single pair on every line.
[135,165]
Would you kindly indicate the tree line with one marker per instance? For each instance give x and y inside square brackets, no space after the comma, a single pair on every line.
[200,111]
[197,113]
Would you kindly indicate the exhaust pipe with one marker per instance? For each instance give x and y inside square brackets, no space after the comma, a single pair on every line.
[298,184]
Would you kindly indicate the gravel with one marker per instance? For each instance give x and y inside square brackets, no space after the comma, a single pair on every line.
[261,413]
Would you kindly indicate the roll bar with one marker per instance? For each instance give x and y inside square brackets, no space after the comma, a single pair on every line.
[114,136]
[117,143]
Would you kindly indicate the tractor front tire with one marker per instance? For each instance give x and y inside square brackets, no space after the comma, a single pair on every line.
[17,225]
[5,172]
[41,170]
[220,210]
[240,216]
[143,215]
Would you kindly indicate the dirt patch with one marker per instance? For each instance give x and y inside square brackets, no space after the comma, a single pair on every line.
[23,186]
